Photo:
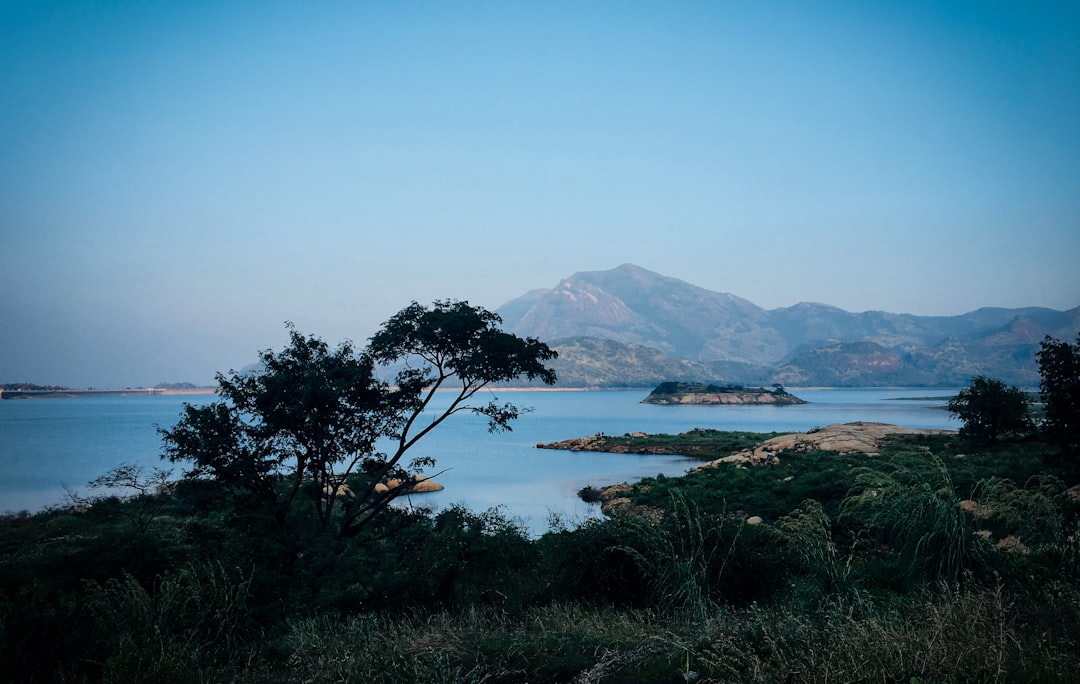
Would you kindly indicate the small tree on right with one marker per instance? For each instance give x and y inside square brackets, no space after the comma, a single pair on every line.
[1059,367]
[990,409]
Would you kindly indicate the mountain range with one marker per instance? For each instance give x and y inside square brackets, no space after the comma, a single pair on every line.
[630,327]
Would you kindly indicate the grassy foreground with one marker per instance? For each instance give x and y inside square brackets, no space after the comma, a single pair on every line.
[935,561]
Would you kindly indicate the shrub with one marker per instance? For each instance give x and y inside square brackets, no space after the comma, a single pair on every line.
[990,409]
[920,521]
[1059,368]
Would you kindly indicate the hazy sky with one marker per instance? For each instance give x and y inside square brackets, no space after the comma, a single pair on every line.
[177,179]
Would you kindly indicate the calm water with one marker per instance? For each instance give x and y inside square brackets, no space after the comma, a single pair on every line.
[49,444]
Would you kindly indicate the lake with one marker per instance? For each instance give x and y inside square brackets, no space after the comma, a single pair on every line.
[49,444]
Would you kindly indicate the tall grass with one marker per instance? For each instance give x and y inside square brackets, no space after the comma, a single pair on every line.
[557,643]
[683,554]
[948,635]
[922,520]
[951,635]
[890,576]
[808,537]
[191,622]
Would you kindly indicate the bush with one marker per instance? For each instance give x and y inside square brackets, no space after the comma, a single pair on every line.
[990,409]
[589,494]
[1059,367]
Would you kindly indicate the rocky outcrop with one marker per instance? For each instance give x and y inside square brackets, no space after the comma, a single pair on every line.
[858,437]
[421,486]
[615,501]
[600,442]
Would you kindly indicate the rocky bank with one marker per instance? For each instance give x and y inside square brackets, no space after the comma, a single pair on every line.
[859,437]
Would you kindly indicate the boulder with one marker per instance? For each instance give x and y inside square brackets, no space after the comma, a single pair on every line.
[342,490]
[1073,493]
[975,509]
[424,486]
[1012,544]
[421,486]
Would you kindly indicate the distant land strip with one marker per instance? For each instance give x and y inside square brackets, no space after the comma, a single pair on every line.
[130,392]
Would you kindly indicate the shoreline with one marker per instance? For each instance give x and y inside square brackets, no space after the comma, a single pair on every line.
[11,395]
[6,395]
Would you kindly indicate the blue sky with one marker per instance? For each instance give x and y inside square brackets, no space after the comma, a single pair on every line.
[177,179]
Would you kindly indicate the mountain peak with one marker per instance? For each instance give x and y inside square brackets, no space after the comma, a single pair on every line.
[634,306]
[622,269]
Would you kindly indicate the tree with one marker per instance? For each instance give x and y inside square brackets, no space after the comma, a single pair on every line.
[991,409]
[130,493]
[313,417]
[308,410]
[1059,389]
[452,346]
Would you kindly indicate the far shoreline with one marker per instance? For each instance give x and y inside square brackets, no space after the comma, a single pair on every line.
[12,395]
[8,395]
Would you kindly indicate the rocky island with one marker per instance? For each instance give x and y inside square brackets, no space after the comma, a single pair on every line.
[675,393]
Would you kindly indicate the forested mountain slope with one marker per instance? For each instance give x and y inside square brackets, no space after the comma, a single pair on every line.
[701,335]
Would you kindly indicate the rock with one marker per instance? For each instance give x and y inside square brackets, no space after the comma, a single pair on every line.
[858,437]
[1073,493]
[975,509]
[594,443]
[754,520]
[614,500]
[1012,544]
[421,486]
[610,494]
[342,490]
[425,486]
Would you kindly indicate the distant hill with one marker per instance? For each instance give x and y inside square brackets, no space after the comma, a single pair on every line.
[176,386]
[632,327]
[634,306]
[30,387]
[600,363]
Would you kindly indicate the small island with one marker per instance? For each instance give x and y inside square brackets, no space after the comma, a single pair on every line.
[676,393]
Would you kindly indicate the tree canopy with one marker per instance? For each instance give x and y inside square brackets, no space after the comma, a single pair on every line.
[1059,368]
[990,409]
[313,419]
